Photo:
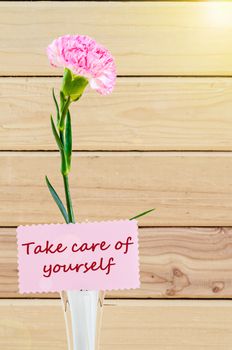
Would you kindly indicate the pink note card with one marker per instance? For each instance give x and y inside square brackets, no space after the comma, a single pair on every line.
[90,256]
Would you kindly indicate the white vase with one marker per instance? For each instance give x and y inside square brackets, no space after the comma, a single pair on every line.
[82,312]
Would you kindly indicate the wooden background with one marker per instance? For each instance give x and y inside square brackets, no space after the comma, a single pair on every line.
[163,139]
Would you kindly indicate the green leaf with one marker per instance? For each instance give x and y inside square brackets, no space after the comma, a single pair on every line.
[63,114]
[62,100]
[142,214]
[57,138]
[57,200]
[57,106]
[68,140]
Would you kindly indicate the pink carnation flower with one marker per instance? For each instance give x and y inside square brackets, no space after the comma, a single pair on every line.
[85,57]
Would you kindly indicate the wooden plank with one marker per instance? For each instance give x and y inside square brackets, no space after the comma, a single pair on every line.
[174,262]
[127,325]
[147,38]
[187,189]
[141,114]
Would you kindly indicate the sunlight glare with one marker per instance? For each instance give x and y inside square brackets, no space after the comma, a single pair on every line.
[220,13]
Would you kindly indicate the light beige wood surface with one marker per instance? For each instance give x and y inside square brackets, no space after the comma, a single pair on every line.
[147,38]
[187,189]
[127,325]
[174,262]
[141,114]
[174,93]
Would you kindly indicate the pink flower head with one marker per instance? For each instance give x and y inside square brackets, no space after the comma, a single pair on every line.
[85,57]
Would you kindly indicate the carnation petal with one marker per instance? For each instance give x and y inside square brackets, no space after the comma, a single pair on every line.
[84,56]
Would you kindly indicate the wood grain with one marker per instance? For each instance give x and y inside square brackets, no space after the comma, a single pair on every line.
[141,114]
[187,189]
[174,262]
[127,325]
[144,114]
[147,38]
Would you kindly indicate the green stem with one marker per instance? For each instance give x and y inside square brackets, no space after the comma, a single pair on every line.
[67,190]
[68,199]
[64,142]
